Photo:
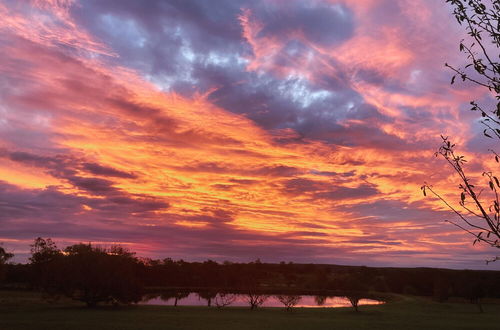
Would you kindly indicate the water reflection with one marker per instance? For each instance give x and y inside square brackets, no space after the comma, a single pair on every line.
[241,300]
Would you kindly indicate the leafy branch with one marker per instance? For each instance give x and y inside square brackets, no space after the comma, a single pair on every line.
[477,216]
[477,220]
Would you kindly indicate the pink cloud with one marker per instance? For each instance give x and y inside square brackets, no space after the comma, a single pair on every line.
[119,157]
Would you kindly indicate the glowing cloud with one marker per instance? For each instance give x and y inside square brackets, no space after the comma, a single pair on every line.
[276,130]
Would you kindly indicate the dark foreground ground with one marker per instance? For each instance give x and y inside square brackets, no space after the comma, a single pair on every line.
[25,310]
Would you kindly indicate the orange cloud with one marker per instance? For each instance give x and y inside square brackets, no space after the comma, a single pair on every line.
[189,163]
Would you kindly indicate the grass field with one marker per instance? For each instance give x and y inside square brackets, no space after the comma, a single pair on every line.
[25,310]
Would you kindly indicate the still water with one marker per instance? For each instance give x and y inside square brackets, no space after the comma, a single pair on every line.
[193,299]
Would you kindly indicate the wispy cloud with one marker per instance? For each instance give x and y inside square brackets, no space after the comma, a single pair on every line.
[284,130]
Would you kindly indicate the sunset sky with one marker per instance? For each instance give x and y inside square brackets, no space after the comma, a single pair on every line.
[235,130]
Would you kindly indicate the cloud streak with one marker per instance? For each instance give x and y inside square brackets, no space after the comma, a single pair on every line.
[279,130]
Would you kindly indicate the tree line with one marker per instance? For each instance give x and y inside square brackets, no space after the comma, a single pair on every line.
[115,275]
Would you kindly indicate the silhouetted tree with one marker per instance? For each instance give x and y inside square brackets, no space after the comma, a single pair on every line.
[289,300]
[208,295]
[101,275]
[354,298]
[478,215]
[224,299]
[4,258]
[255,299]
[355,287]
[43,251]
[87,273]
[44,262]
[320,300]
[179,295]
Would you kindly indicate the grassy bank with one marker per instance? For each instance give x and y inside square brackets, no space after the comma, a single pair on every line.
[25,310]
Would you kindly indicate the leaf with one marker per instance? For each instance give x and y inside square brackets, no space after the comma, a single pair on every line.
[453,80]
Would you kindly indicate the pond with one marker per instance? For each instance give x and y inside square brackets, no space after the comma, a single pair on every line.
[194,299]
